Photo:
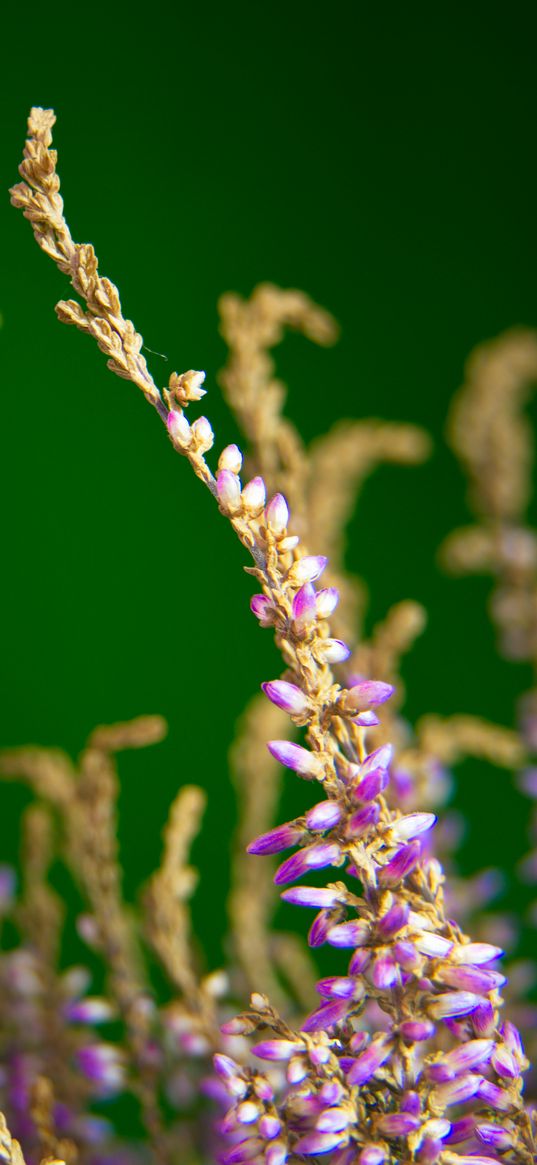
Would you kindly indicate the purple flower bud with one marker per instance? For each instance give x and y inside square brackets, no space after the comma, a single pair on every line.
[313,857]
[277,514]
[475,953]
[406,955]
[276,840]
[359,961]
[304,606]
[494,1096]
[384,972]
[340,987]
[316,896]
[319,928]
[512,1039]
[286,696]
[262,609]
[363,819]
[323,816]
[402,863]
[294,756]
[334,1120]
[225,1066]
[326,601]
[431,944]
[331,1092]
[379,759]
[504,1063]
[414,824]
[307,569]
[269,1126]
[372,1155]
[314,1143]
[371,785]
[89,1010]
[367,693]
[275,1050]
[367,1062]
[471,978]
[228,488]
[103,1065]
[394,920]
[460,1130]
[349,934]
[325,1016]
[466,1056]
[334,650]
[398,1124]
[411,1103]
[484,1019]
[453,1003]
[494,1135]
[276,1154]
[416,1030]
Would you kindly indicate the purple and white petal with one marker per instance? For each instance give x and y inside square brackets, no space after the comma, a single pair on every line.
[413,825]
[307,569]
[398,1124]
[334,650]
[324,815]
[295,757]
[316,896]
[277,1050]
[286,696]
[304,606]
[402,863]
[349,934]
[326,602]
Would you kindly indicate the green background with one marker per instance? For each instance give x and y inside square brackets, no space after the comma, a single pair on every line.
[382,158]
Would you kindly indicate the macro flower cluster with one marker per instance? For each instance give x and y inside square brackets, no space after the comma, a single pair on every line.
[407,1053]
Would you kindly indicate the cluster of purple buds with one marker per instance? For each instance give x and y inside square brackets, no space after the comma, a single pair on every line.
[450,984]
[252,1125]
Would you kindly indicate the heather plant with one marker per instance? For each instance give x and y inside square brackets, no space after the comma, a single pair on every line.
[405,1055]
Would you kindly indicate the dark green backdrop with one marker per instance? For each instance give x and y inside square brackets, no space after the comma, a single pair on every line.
[382,157]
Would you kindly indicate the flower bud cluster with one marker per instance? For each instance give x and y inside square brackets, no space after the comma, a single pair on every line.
[440,1045]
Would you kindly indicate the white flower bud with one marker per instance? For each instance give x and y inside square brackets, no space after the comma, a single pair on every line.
[277,514]
[230,458]
[254,494]
[203,433]
[179,429]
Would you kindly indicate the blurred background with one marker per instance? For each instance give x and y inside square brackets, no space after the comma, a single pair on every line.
[380,157]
